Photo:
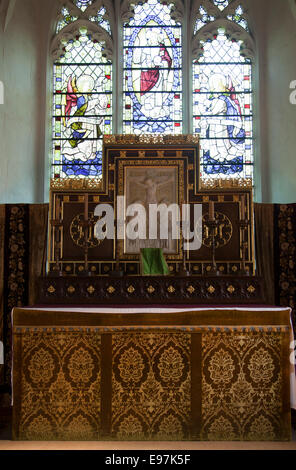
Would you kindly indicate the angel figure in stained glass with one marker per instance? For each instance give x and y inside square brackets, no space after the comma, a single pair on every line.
[225,127]
[80,128]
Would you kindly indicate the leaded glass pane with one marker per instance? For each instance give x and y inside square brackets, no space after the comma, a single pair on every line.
[222,109]
[101,20]
[204,19]
[152,71]
[82,108]
[221,4]
[237,17]
[83,4]
[67,19]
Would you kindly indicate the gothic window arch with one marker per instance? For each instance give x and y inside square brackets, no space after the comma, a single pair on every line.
[222,89]
[82,88]
[135,77]
[152,74]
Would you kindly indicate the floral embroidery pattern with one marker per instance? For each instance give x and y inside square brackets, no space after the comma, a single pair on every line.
[261,366]
[221,367]
[159,392]
[171,365]
[241,383]
[131,365]
[285,251]
[16,271]
[41,366]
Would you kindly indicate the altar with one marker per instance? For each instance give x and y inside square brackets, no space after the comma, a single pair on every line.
[107,353]
[199,373]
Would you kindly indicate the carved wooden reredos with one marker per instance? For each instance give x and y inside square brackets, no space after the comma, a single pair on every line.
[174,160]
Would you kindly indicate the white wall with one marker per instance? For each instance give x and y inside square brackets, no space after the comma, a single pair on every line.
[280,114]
[23,59]
[25,120]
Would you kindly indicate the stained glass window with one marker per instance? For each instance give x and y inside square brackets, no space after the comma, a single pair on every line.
[221,4]
[237,17]
[152,71]
[204,18]
[83,4]
[101,19]
[66,19]
[82,108]
[222,108]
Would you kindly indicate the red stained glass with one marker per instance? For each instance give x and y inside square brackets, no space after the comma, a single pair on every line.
[177,124]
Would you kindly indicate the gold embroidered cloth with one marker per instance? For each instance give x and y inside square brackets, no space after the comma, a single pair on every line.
[169,376]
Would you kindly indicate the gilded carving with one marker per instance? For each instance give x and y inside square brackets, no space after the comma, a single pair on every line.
[150,289]
[226,183]
[76,183]
[251,289]
[230,289]
[131,139]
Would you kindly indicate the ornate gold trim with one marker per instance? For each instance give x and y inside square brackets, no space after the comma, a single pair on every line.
[150,289]
[131,139]
[226,183]
[251,289]
[76,184]
[153,163]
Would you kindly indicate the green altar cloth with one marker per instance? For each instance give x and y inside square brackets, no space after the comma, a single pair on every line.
[153,262]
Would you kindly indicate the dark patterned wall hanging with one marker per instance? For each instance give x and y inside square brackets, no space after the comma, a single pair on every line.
[23,230]
[285,256]
[16,270]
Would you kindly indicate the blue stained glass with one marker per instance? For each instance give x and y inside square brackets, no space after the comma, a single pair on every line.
[152,74]
[78,167]
[83,108]
[223,108]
